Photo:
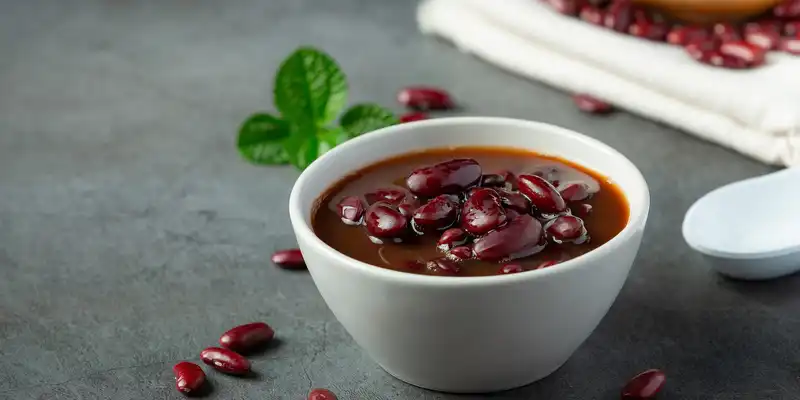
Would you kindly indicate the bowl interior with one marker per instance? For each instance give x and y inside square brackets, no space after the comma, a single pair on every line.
[467,131]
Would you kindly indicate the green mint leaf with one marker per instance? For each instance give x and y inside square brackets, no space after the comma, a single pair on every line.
[330,138]
[302,147]
[363,118]
[261,138]
[310,88]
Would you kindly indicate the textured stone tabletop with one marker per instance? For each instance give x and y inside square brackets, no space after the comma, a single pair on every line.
[132,235]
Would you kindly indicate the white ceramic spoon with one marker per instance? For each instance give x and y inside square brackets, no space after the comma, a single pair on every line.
[749,229]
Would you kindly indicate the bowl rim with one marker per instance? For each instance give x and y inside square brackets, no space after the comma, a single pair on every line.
[636,219]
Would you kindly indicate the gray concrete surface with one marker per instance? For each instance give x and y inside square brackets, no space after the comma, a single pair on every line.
[132,235]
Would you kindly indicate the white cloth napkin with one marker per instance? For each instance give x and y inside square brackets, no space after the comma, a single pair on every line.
[755,112]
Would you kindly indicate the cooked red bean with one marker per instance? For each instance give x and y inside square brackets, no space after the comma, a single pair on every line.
[321,394]
[425,98]
[792,29]
[514,201]
[766,39]
[763,25]
[592,105]
[449,177]
[619,16]
[244,338]
[408,206]
[584,208]
[726,32]
[443,266]
[351,210]
[575,191]
[565,228]
[289,259]
[592,14]
[519,238]
[566,7]
[482,212]
[744,51]
[645,385]
[413,116]
[384,221]
[493,180]
[509,178]
[438,213]
[542,194]
[189,377]
[683,35]
[648,29]
[788,8]
[225,360]
[389,195]
[461,253]
[451,238]
[790,45]
[511,269]
[546,264]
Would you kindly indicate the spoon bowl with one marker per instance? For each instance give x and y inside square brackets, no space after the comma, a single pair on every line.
[749,229]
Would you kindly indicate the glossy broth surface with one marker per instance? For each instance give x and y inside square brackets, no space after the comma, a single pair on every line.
[608,216]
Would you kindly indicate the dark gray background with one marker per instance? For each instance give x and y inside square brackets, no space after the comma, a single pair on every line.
[132,235]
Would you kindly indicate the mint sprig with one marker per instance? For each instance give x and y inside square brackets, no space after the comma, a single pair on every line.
[310,92]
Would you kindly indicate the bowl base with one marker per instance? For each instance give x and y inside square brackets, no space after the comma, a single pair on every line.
[466,387]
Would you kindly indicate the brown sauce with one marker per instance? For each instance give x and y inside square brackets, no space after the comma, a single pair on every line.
[604,214]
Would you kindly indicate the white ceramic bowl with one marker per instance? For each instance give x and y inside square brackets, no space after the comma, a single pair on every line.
[470,334]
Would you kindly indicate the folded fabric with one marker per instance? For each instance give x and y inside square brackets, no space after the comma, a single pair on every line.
[755,112]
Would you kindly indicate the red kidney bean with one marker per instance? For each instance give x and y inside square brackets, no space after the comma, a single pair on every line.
[408,206]
[565,228]
[546,264]
[225,360]
[646,28]
[792,29]
[189,377]
[575,191]
[461,253]
[413,116]
[451,238]
[592,105]
[493,180]
[726,32]
[389,195]
[683,35]
[425,98]
[789,45]
[509,178]
[584,208]
[511,214]
[438,213]
[566,7]
[449,177]
[763,25]
[321,394]
[511,269]
[698,48]
[384,221]
[619,16]
[788,8]
[592,14]
[289,259]
[443,266]
[748,53]
[519,238]
[350,210]
[244,338]
[645,385]
[766,40]
[542,194]
[514,201]
[482,212]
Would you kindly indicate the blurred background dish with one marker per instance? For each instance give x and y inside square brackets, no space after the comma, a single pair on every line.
[709,11]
